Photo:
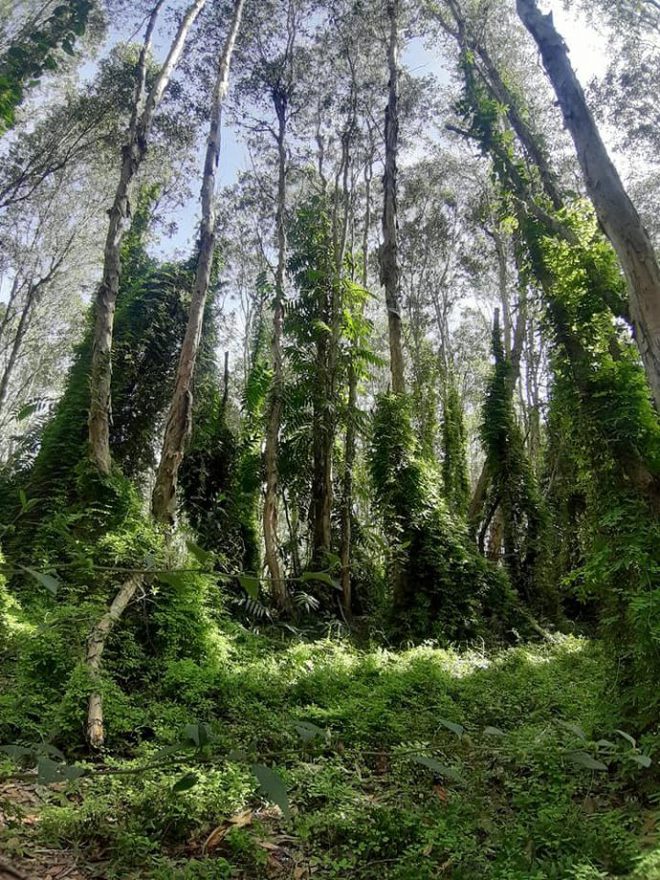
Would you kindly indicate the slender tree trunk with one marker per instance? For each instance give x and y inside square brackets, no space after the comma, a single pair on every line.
[278,586]
[389,262]
[177,426]
[94,654]
[19,336]
[349,443]
[133,153]
[614,208]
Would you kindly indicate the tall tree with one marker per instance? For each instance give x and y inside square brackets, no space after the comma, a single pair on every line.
[145,104]
[389,263]
[178,423]
[614,208]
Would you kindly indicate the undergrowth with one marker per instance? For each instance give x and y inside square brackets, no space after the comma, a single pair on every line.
[411,764]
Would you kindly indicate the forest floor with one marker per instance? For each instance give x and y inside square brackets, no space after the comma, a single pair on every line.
[407,765]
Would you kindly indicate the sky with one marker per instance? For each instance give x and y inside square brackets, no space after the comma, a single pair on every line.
[588,54]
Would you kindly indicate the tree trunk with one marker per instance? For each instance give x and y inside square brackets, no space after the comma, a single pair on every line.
[278,586]
[133,153]
[177,427]
[94,654]
[16,345]
[349,443]
[389,262]
[614,208]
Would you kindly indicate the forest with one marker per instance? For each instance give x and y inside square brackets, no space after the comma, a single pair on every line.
[329,439]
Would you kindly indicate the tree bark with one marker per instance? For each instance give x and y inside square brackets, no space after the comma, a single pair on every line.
[94,654]
[274,415]
[389,261]
[614,208]
[133,153]
[178,424]
[345,537]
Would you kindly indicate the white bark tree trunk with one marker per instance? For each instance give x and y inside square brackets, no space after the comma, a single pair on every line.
[614,208]
[95,648]
[178,423]
[133,152]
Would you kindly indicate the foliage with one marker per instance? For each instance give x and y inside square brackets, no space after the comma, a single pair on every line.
[438,577]
[37,51]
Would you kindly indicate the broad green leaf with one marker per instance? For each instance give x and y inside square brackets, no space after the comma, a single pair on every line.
[199,734]
[628,737]
[642,760]
[26,411]
[186,782]
[493,731]
[49,581]
[586,760]
[458,729]
[175,579]
[15,751]
[250,584]
[321,576]
[272,787]
[573,728]
[437,767]
[308,731]
[49,771]
[205,558]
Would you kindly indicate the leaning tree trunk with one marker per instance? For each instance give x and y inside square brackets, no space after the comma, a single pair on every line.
[274,415]
[389,262]
[94,654]
[133,153]
[614,208]
[177,427]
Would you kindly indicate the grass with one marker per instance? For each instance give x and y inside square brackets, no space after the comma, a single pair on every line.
[407,765]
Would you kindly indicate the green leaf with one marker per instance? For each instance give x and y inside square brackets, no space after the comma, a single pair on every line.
[175,579]
[16,752]
[627,736]
[321,576]
[458,729]
[49,581]
[250,584]
[493,731]
[272,787]
[26,411]
[49,771]
[586,760]
[437,767]
[186,782]
[573,728]
[205,558]
[642,760]
[308,731]
[199,734]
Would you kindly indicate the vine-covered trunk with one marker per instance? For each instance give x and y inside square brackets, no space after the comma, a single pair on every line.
[614,208]
[389,262]
[133,153]
[274,414]
[178,424]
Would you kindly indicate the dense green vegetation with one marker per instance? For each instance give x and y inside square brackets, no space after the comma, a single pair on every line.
[329,518]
